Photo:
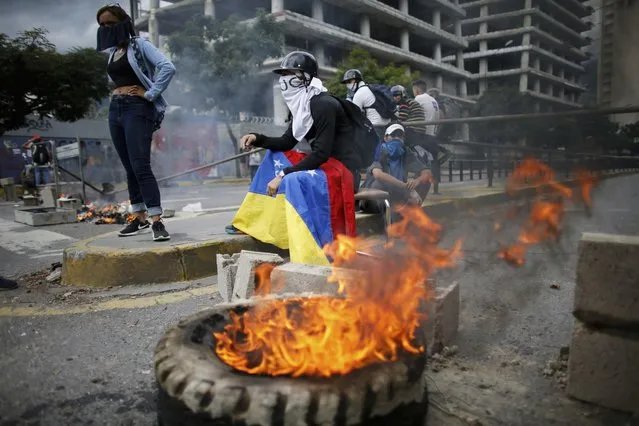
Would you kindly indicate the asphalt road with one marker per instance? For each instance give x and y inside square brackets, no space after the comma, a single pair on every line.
[96,367]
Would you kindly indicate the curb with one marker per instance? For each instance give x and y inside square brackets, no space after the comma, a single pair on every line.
[86,266]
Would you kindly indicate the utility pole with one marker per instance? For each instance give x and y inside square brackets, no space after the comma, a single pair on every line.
[133,7]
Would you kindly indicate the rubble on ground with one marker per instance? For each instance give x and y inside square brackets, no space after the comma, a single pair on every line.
[558,368]
[108,214]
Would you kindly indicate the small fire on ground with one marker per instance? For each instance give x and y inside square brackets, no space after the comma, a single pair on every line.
[374,321]
[544,220]
[107,214]
[378,313]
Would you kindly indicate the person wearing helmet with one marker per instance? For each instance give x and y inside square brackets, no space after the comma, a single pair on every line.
[389,172]
[361,95]
[409,112]
[317,118]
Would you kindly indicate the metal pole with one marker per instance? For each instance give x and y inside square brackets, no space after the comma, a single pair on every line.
[73,175]
[54,157]
[84,188]
[577,112]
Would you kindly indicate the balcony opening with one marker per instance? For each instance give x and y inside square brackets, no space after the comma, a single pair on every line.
[423,13]
[470,29]
[391,3]
[472,47]
[472,88]
[423,47]
[385,33]
[504,24]
[450,86]
[472,66]
[505,61]
[333,56]
[293,43]
[299,6]
[245,10]
[341,17]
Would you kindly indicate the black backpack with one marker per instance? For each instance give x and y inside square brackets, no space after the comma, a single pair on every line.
[365,137]
[40,154]
[384,103]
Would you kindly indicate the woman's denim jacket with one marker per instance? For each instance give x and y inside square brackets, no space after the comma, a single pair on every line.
[160,66]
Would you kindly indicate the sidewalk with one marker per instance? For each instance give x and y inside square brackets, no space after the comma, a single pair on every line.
[196,238]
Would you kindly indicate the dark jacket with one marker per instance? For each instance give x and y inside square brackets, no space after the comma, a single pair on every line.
[330,136]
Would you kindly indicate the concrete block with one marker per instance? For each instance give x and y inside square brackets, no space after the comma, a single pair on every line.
[301,278]
[42,217]
[603,367]
[226,271]
[607,285]
[446,318]
[48,196]
[7,181]
[439,327]
[70,203]
[30,201]
[244,286]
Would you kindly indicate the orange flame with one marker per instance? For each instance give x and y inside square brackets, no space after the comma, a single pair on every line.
[373,321]
[263,284]
[545,218]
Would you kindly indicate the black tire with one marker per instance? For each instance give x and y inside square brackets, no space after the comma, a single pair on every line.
[196,388]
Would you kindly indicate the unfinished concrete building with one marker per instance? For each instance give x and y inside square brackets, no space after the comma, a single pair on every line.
[536,45]
[418,33]
[619,58]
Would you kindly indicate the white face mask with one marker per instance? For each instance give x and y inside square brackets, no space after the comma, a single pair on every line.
[291,85]
[352,86]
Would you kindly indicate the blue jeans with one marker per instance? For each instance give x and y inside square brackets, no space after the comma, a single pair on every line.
[131,127]
[42,175]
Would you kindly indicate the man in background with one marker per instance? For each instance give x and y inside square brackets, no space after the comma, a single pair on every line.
[432,112]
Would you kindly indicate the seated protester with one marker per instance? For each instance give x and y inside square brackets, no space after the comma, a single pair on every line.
[298,201]
[393,161]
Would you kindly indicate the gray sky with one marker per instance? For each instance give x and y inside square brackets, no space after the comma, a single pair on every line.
[70,23]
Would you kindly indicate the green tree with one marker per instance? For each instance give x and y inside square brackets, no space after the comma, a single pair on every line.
[360,59]
[44,83]
[219,62]
[501,100]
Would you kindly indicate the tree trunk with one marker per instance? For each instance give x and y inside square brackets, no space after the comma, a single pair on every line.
[236,147]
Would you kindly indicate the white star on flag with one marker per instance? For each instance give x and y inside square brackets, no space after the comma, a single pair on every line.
[278,163]
[311,172]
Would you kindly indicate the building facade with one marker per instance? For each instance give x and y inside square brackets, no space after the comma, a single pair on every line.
[619,57]
[417,33]
[536,45]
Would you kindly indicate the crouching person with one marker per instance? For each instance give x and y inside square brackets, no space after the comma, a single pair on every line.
[297,201]
[393,161]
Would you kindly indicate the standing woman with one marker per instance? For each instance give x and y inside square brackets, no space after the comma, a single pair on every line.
[140,73]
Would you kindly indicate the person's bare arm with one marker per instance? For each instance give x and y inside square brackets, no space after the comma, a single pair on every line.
[387,179]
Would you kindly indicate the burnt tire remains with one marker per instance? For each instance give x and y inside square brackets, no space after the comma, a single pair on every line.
[197,388]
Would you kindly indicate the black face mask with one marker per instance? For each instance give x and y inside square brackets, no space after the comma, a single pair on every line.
[113,36]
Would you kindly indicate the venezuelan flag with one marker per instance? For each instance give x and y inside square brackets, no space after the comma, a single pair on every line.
[309,210]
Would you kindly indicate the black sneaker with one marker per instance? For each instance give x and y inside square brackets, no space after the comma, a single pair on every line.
[159,231]
[6,284]
[134,227]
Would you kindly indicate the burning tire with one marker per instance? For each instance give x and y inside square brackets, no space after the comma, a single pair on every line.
[197,388]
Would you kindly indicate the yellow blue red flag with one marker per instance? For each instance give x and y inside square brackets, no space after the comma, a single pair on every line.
[309,210]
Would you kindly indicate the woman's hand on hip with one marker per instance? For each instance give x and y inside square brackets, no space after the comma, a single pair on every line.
[137,91]
[247,142]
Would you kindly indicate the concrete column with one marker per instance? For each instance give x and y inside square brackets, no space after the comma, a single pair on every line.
[523,79]
[462,88]
[154,27]
[525,59]
[365,26]
[209,8]
[483,46]
[550,69]
[405,40]
[458,28]
[460,59]
[537,66]
[527,4]
[437,52]
[439,82]
[483,66]
[277,6]
[437,18]
[318,10]
[319,53]
[403,6]
[280,110]
[465,128]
